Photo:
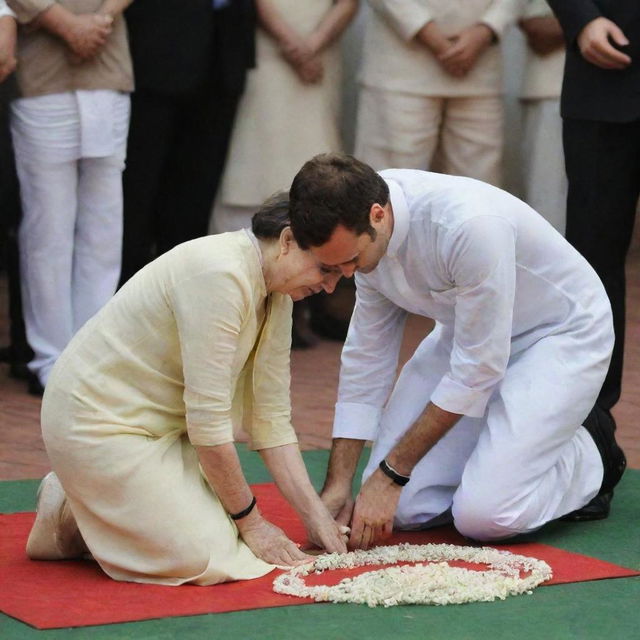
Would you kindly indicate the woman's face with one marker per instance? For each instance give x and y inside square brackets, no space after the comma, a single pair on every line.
[301,273]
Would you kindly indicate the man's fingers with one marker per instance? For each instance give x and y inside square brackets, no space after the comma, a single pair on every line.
[618,36]
[356,534]
[345,514]
[603,60]
[611,54]
[451,53]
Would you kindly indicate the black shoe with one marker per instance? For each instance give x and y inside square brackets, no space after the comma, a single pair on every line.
[601,426]
[34,386]
[19,370]
[17,358]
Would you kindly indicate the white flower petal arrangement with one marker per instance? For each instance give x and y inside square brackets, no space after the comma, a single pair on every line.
[436,583]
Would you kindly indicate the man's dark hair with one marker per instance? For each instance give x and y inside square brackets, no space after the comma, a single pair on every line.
[333,189]
[272,217]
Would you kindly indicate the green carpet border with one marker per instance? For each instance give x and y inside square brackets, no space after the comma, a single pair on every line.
[582,611]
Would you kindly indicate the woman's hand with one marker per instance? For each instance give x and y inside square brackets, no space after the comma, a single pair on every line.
[269,543]
[302,58]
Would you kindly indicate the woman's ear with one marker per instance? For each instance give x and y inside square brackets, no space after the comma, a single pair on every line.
[286,240]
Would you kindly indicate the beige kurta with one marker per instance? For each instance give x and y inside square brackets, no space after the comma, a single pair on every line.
[182,351]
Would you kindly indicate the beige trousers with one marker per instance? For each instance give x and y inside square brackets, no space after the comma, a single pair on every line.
[409,131]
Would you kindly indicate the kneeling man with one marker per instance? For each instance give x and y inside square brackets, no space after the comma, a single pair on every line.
[491,423]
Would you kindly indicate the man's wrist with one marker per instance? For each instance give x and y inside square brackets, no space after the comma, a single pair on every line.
[491,35]
[396,477]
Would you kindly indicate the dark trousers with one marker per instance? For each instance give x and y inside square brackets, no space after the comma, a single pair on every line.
[10,211]
[603,169]
[175,158]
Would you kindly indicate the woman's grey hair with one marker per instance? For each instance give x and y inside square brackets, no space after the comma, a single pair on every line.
[272,217]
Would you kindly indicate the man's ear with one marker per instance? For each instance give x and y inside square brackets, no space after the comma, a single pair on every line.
[376,214]
[286,240]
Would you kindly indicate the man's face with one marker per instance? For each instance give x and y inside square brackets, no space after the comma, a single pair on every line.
[350,252]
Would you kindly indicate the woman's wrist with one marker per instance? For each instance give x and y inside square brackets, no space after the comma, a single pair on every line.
[250,521]
[243,513]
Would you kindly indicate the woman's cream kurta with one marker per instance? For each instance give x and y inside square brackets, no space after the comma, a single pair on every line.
[186,349]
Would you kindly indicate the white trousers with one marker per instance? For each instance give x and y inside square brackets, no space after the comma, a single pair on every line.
[527,462]
[405,130]
[70,150]
[544,179]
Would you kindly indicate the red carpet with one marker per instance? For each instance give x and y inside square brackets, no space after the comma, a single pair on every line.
[50,595]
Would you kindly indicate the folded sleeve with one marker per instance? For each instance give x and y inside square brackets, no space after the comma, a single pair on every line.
[536,9]
[369,363]
[406,17]
[5,10]
[500,14]
[210,310]
[267,390]
[480,260]
[28,10]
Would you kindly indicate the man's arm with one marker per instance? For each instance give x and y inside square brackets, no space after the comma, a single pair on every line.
[584,26]
[470,43]
[368,368]
[377,502]
[337,490]
[7,43]
[479,257]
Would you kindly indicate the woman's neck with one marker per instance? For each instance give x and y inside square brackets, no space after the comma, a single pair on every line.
[270,252]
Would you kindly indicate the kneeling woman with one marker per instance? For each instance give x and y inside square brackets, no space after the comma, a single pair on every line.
[138,416]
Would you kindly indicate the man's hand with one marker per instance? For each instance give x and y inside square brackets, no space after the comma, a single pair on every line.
[7,47]
[543,33]
[87,33]
[596,48]
[465,50]
[269,543]
[432,38]
[339,503]
[374,511]
[326,533]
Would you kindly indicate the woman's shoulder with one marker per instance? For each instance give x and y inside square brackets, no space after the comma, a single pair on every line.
[226,265]
[231,253]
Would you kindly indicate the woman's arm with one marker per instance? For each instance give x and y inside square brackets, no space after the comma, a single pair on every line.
[287,469]
[224,474]
[295,50]
[333,24]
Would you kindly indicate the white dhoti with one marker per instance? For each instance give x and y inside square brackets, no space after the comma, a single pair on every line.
[528,461]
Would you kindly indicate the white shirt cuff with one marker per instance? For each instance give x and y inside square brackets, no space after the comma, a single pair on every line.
[356,421]
[455,397]
[5,11]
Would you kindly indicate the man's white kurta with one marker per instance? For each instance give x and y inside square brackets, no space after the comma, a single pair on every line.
[519,313]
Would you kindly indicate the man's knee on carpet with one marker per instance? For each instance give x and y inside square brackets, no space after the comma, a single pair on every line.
[485,516]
